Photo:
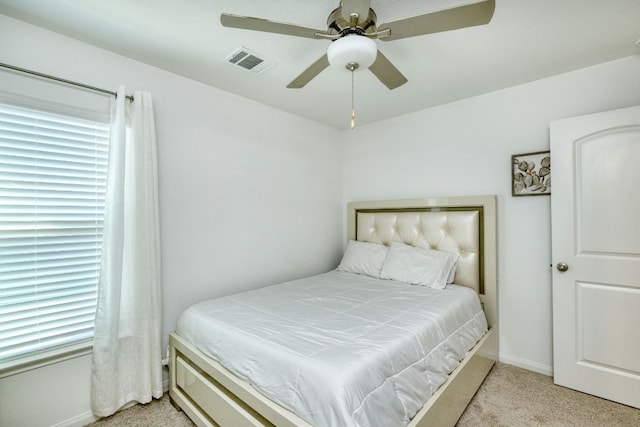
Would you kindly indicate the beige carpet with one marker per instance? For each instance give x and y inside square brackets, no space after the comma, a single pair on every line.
[509,397]
[512,396]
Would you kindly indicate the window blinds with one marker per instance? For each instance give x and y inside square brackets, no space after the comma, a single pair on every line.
[52,192]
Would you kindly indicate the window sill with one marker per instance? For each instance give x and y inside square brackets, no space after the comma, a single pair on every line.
[39,360]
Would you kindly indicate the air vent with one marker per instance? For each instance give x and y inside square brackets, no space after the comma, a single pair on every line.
[244,58]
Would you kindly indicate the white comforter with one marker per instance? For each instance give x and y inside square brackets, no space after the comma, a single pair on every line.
[341,349]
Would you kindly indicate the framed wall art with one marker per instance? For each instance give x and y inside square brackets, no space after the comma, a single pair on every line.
[531,174]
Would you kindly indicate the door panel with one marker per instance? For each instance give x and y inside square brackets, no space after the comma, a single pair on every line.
[595,222]
[607,315]
[607,177]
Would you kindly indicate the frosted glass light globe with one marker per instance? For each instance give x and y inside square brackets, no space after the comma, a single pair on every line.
[350,49]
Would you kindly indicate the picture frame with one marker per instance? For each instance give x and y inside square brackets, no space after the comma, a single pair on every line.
[531,174]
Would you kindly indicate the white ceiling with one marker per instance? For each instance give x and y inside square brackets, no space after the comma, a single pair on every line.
[526,40]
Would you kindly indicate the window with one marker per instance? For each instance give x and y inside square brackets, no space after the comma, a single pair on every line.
[52,190]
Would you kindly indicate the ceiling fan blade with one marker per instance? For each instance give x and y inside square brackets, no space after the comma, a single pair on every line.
[311,72]
[386,72]
[259,24]
[361,7]
[444,20]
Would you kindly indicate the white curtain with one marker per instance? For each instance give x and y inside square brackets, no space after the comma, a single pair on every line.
[127,350]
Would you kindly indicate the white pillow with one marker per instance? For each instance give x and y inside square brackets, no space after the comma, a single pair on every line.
[418,266]
[363,258]
[452,273]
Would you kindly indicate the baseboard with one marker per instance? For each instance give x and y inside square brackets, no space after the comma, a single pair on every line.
[88,417]
[527,364]
[77,421]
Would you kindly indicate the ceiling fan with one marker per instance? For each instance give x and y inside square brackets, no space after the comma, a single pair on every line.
[352,28]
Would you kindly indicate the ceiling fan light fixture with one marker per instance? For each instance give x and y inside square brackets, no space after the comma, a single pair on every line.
[352,49]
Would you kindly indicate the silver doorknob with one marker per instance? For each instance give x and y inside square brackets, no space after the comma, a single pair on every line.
[562,266]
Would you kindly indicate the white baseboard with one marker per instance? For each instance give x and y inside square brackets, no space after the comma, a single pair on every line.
[88,417]
[78,421]
[527,364]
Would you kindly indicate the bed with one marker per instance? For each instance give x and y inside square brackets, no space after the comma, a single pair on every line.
[209,384]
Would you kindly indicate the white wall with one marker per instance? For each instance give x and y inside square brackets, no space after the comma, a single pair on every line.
[239,182]
[465,148]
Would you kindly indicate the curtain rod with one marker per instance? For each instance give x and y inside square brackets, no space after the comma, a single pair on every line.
[58,79]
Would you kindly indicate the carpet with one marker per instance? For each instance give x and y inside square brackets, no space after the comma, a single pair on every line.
[514,397]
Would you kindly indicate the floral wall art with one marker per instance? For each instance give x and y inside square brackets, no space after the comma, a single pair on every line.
[531,174]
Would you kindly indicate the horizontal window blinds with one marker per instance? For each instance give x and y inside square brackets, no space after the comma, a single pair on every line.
[52,193]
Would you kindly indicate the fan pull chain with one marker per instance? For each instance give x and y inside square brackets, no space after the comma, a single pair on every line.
[353,106]
[352,66]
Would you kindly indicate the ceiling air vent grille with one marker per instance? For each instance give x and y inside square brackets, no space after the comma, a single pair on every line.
[243,57]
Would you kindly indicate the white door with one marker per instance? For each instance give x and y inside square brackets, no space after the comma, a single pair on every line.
[595,205]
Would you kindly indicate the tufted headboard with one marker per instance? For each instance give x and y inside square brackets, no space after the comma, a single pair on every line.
[463,225]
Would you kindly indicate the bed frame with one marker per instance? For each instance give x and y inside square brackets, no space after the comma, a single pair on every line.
[211,395]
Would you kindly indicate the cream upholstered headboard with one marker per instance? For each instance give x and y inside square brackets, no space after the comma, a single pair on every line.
[443,230]
[463,225]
